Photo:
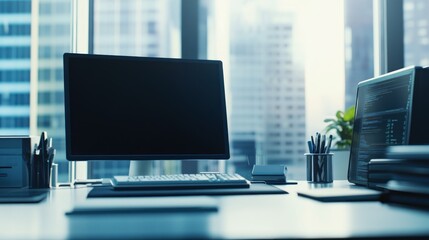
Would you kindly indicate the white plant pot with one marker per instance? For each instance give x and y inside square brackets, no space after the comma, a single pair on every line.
[340,163]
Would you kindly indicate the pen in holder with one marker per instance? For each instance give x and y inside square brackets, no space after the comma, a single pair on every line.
[319,160]
[319,167]
[41,162]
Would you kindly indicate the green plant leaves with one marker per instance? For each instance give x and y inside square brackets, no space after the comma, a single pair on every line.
[339,115]
[329,120]
[349,115]
[342,124]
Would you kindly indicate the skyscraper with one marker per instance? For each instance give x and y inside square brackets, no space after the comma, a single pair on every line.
[53,40]
[15,39]
[359,46]
[416,32]
[267,117]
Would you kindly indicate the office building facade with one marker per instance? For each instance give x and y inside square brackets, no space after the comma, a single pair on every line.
[267,115]
[359,46]
[53,41]
[416,32]
[15,39]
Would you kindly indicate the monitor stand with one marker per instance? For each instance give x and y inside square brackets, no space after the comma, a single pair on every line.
[138,168]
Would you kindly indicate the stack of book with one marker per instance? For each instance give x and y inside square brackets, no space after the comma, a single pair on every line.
[381,171]
[407,193]
[404,174]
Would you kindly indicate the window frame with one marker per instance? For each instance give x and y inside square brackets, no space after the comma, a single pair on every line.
[388,36]
[388,43]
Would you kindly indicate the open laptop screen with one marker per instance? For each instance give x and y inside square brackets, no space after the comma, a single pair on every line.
[382,118]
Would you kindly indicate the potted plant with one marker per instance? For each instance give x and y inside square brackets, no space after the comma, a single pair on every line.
[341,127]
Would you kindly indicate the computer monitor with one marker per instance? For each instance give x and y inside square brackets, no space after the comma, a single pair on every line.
[390,110]
[141,108]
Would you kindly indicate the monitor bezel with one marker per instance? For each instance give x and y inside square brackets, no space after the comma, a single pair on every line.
[82,157]
[411,70]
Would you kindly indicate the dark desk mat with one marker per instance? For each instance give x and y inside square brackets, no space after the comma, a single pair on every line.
[22,195]
[253,189]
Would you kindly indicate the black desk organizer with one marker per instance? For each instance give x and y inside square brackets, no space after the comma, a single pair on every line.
[40,163]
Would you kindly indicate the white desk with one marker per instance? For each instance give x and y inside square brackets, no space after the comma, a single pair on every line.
[246,216]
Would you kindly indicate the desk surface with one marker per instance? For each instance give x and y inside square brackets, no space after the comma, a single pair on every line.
[248,216]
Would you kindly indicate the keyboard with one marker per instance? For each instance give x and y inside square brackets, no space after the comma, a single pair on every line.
[180,181]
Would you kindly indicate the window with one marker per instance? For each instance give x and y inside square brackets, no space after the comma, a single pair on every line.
[297,61]
[12,123]
[359,53]
[19,75]
[53,39]
[44,121]
[15,52]
[14,29]
[44,98]
[15,66]
[15,99]
[281,50]
[15,6]
[416,32]
[44,74]
[151,28]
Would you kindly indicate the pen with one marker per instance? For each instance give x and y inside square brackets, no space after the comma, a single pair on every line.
[310,147]
[42,135]
[312,144]
[42,155]
[50,143]
[328,146]
[50,151]
[322,145]
[46,144]
[317,143]
[42,145]
[51,156]
[37,168]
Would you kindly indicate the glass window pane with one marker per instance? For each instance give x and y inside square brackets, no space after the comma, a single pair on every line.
[416,32]
[15,40]
[288,66]
[54,39]
[359,53]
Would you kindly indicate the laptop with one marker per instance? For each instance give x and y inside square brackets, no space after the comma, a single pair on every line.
[389,112]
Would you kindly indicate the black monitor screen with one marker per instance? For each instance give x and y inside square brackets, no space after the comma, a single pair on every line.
[383,110]
[121,107]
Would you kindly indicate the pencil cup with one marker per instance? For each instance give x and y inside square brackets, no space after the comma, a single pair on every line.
[319,167]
